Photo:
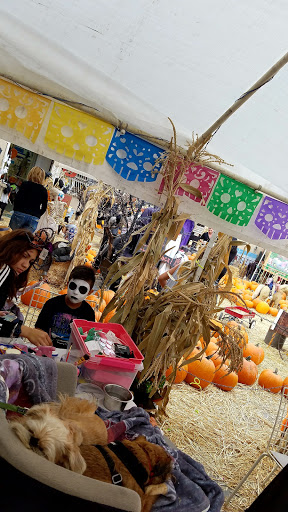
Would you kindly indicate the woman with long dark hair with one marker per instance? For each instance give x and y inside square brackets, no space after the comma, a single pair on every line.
[19,250]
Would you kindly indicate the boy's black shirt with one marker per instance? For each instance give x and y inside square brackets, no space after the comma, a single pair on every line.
[55,318]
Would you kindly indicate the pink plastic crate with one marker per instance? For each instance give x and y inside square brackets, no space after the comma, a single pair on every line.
[102,369]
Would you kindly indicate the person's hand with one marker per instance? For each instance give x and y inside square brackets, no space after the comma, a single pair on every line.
[36,336]
[4,313]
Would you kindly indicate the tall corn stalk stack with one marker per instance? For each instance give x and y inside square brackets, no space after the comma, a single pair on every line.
[87,223]
[168,326]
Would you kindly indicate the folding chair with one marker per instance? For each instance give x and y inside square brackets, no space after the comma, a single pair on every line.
[277,447]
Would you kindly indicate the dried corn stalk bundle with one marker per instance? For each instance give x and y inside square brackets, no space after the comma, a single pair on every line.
[87,223]
[140,270]
[170,324]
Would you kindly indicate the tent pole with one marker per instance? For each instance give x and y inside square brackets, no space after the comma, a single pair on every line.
[243,98]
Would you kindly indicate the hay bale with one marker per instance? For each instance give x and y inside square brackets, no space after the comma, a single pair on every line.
[57,273]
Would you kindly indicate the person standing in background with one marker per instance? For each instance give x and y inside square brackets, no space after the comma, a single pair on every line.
[4,198]
[30,202]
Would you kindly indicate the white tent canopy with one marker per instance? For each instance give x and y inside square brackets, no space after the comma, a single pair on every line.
[140,62]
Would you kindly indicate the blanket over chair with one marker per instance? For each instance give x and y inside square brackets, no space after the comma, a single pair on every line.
[190,488]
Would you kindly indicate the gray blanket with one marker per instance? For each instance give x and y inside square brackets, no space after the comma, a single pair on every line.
[38,375]
[191,489]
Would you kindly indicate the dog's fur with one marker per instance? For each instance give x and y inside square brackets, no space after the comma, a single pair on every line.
[76,412]
[153,458]
[62,441]
[51,437]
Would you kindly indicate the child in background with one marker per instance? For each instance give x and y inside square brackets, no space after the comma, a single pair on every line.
[58,313]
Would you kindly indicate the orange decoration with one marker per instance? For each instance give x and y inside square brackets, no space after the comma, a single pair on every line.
[63,292]
[200,373]
[180,374]
[98,315]
[248,373]
[285,385]
[224,380]
[41,295]
[271,381]
[109,316]
[95,303]
[255,351]
[273,311]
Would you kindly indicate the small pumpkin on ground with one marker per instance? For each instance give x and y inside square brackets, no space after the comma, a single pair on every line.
[213,351]
[98,315]
[263,308]
[95,302]
[180,374]
[109,316]
[107,295]
[255,352]
[41,295]
[273,311]
[233,327]
[200,373]
[271,381]
[256,302]
[248,373]
[285,385]
[223,379]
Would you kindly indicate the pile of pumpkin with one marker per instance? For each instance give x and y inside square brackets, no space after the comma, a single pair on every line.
[42,294]
[90,256]
[246,289]
[210,369]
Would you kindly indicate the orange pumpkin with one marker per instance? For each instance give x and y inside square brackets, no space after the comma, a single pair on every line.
[224,380]
[284,306]
[271,381]
[253,286]
[90,257]
[233,327]
[93,252]
[108,295]
[180,374]
[262,307]
[285,385]
[248,373]
[213,351]
[109,316]
[200,373]
[247,296]
[98,315]
[41,295]
[284,423]
[256,302]
[255,352]
[273,311]
[95,303]
[88,264]
[249,303]
[63,292]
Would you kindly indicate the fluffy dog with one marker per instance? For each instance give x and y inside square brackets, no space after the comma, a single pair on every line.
[61,441]
[77,412]
[153,458]
[51,437]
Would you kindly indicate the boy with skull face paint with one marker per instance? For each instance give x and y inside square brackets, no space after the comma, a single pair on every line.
[58,313]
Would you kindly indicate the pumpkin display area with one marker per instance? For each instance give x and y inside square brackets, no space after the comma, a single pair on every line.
[226,432]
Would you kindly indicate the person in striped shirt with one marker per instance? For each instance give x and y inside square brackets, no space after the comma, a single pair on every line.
[19,250]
